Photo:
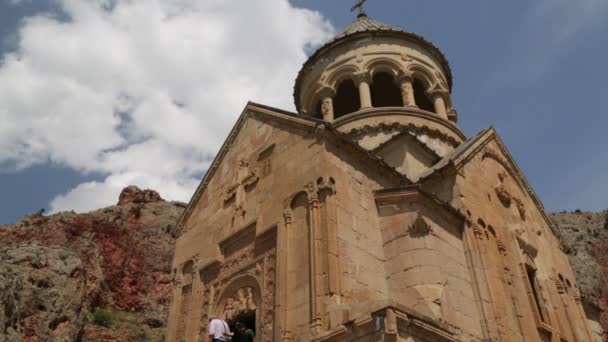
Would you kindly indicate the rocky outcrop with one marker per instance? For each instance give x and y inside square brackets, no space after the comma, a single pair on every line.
[133,194]
[117,258]
[586,235]
[40,292]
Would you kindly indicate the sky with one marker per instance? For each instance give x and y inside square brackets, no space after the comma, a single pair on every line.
[96,95]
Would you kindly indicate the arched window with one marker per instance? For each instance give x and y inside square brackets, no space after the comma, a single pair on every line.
[385,92]
[188,267]
[422,100]
[347,99]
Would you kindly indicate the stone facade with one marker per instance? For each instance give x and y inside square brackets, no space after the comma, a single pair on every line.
[379,223]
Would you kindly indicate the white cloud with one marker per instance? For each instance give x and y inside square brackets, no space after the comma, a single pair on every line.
[145,91]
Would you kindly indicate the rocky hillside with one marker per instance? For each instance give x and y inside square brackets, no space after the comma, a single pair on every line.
[100,276]
[586,234]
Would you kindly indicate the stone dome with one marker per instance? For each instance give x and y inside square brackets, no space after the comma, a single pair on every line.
[372,73]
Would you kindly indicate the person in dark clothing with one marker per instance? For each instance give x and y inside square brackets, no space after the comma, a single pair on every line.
[246,334]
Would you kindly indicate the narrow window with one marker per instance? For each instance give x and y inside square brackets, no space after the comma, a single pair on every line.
[347,99]
[385,92]
[535,292]
[422,100]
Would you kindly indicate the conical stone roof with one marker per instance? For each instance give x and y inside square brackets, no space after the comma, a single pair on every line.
[364,25]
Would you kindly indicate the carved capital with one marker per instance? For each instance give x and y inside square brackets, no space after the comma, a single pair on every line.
[477,231]
[178,280]
[437,92]
[326,91]
[287,217]
[404,77]
[361,77]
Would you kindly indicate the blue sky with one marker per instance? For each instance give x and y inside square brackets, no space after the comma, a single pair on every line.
[535,70]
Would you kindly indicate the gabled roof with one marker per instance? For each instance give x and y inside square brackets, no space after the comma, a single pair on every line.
[455,154]
[303,121]
[467,150]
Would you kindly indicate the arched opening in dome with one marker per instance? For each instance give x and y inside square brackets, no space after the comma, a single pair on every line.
[347,99]
[422,99]
[385,92]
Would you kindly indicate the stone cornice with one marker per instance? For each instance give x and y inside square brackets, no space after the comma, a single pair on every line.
[415,191]
[402,111]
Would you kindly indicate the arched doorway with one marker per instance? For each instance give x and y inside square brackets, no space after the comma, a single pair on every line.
[240,302]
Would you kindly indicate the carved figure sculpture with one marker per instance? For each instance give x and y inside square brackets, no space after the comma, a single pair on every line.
[241,300]
[250,303]
[229,309]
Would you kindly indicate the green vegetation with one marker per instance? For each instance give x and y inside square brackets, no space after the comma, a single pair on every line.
[102,317]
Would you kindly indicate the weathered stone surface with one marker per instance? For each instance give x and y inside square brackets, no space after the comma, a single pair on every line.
[41,294]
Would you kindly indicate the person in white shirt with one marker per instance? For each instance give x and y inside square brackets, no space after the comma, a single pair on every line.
[219,331]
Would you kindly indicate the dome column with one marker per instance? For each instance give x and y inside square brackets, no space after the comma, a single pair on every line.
[327,103]
[363,80]
[439,102]
[406,84]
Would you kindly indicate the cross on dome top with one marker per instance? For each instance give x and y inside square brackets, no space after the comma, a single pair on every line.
[359,6]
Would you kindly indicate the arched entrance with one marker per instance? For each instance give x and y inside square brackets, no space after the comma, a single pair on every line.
[240,302]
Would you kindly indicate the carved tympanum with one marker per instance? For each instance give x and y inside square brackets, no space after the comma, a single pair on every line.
[241,303]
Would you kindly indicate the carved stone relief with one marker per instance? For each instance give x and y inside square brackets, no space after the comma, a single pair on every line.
[419,228]
[241,303]
[250,280]
[359,133]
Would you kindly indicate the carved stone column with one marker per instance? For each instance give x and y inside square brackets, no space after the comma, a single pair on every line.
[406,83]
[363,81]
[316,284]
[174,309]
[198,289]
[439,103]
[333,264]
[327,103]
[475,251]
[283,331]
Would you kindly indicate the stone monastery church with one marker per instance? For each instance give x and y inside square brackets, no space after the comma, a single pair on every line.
[367,215]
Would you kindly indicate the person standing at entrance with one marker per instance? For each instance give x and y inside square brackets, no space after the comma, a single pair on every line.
[219,331]
[246,335]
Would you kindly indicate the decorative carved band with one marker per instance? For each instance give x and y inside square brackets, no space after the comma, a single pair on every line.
[360,132]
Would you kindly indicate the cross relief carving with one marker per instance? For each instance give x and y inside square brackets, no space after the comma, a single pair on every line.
[237,192]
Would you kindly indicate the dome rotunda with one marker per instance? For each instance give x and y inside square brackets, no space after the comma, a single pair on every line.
[375,75]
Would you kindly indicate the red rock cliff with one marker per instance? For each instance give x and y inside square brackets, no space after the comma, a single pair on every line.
[56,270]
